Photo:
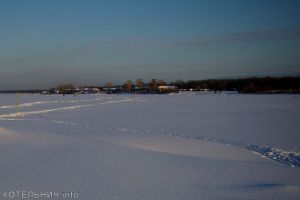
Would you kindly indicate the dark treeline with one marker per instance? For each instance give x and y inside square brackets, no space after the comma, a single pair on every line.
[241,85]
[247,85]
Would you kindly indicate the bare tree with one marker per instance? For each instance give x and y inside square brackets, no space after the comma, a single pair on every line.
[153,84]
[161,82]
[108,85]
[128,85]
[179,83]
[66,88]
[139,83]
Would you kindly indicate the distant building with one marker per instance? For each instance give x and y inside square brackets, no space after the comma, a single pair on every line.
[167,89]
[112,90]
[90,91]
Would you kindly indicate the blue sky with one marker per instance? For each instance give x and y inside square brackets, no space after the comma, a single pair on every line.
[45,43]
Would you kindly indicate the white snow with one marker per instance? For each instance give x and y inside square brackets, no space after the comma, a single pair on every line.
[185,146]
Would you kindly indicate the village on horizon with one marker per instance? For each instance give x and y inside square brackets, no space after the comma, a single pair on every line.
[269,85]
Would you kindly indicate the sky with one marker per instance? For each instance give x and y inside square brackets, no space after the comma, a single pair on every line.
[91,42]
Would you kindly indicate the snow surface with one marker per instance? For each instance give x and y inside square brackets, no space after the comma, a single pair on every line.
[183,146]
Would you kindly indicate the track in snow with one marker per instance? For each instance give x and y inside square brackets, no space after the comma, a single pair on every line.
[290,158]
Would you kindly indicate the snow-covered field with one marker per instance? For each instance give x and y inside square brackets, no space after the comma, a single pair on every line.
[135,147]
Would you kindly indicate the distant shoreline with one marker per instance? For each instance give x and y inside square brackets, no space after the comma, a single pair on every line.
[203,92]
[250,85]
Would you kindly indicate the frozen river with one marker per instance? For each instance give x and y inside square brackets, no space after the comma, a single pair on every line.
[183,146]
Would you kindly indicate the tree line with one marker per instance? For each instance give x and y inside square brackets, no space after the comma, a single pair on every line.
[248,85]
[241,85]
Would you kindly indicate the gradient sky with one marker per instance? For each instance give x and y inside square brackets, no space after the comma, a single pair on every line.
[46,43]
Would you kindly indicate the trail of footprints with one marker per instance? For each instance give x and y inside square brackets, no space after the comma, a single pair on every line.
[290,158]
